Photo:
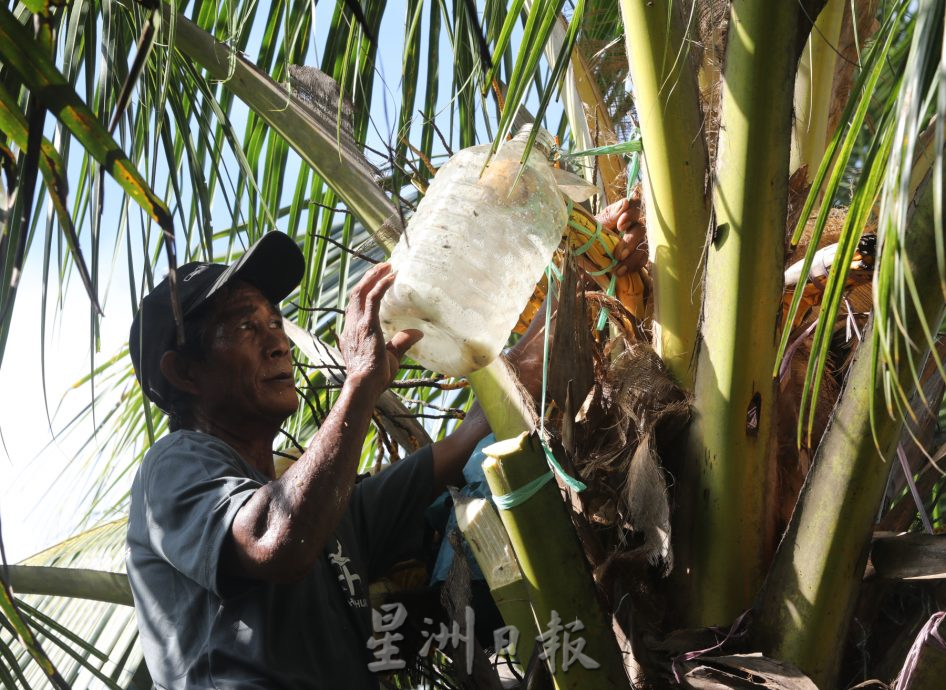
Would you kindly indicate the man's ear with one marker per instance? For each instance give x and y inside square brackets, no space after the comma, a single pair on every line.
[177,370]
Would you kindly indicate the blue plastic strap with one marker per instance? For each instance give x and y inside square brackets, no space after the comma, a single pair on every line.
[523,493]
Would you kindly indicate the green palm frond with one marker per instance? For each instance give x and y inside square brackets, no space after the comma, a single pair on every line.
[898,292]
[283,169]
[92,641]
[847,142]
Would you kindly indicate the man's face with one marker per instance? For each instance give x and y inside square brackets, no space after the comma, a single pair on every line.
[247,376]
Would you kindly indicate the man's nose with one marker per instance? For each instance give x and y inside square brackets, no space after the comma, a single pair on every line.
[278,346]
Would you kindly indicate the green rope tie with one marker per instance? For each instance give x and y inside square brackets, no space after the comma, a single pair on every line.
[592,236]
[523,493]
[614,262]
[633,173]
[571,482]
[603,314]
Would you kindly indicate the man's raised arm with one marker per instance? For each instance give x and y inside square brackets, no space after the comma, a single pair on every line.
[280,532]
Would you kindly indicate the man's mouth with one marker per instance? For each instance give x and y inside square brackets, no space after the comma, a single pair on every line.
[284,378]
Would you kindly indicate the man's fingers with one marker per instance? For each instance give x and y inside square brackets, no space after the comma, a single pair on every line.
[631,217]
[402,342]
[609,216]
[373,300]
[369,280]
[631,251]
[358,298]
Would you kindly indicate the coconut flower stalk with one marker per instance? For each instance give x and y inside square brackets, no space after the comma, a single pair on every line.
[484,532]
[557,576]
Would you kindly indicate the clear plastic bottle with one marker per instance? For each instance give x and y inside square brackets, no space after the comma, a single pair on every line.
[473,252]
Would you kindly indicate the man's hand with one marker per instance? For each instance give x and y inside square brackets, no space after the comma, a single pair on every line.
[367,357]
[627,218]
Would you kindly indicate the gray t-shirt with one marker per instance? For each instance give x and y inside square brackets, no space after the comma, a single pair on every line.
[200,629]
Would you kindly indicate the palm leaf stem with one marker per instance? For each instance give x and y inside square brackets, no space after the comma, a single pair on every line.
[79,583]
[808,599]
[675,173]
[557,575]
[734,391]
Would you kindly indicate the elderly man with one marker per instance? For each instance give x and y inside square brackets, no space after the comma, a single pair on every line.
[241,579]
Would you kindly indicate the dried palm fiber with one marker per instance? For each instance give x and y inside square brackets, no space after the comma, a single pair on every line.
[602,409]
[633,407]
[627,419]
[711,19]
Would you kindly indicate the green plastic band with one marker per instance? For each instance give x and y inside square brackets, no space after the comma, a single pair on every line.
[575,485]
[614,262]
[568,211]
[633,173]
[523,493]
[592,238]
[570,481]
[603,314]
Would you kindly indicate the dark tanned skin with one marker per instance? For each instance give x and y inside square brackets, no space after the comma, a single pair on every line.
[627,218]
[244,391]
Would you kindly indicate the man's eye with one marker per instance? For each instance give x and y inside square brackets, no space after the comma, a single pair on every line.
[276,323]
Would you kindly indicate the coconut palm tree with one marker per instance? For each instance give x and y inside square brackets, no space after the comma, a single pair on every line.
[756,120]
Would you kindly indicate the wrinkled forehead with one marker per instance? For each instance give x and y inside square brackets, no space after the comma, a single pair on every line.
[239,300]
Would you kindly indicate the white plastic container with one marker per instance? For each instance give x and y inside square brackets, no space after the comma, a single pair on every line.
[473,252]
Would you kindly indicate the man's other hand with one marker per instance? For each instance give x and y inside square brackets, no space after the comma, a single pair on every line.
[626,217]
[367,356]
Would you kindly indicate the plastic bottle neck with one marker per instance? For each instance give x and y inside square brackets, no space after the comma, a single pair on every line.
[543,139]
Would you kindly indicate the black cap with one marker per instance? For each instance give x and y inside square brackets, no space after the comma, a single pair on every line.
[274,265]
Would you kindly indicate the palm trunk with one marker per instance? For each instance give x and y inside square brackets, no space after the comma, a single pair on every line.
[675,173]
[806,604]
[724,516]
